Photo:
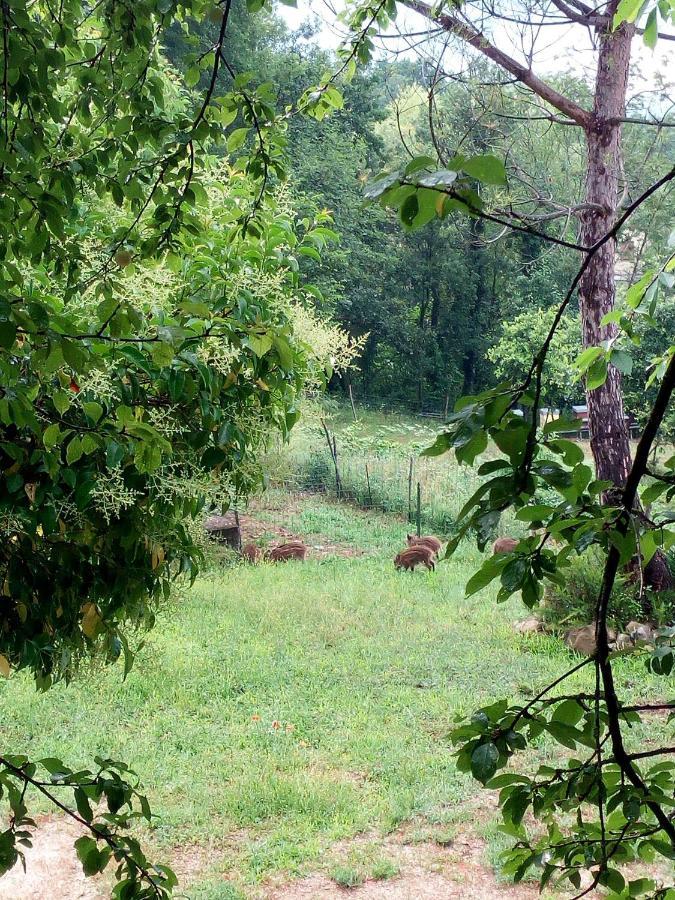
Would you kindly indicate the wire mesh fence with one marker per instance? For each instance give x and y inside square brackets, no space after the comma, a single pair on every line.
[426,492]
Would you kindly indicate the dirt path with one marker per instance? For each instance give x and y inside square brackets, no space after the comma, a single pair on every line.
[53,871]
[427,871]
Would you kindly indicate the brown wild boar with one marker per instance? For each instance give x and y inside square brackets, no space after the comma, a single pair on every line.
[251,553]
[427,540]
[418,554]
[504,545]
[289,550]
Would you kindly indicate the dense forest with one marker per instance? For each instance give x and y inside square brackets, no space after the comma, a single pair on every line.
[451,307]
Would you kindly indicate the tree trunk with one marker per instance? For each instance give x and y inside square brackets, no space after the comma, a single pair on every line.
[608,428]
[609,432]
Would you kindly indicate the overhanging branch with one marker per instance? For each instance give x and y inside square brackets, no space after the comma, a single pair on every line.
[478,41]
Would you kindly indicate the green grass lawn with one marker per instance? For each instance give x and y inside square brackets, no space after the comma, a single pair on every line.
[277,710]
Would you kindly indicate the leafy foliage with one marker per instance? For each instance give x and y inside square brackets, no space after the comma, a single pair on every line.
[148,297]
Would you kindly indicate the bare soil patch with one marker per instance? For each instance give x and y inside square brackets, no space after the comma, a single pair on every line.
[427,871]
[53,871]
[253,528]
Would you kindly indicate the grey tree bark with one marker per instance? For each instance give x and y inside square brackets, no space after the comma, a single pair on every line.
[597,292]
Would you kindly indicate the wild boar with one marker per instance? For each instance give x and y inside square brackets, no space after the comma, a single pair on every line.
[427,540]
[289,550]
[504,545]
[251,553]
[418,554]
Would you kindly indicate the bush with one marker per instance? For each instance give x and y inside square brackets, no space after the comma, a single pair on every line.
[574,602]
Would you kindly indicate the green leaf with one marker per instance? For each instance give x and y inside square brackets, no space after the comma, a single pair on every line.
[409,210]
[627,11]
[442,178]
[73,450]
[7,334]
[74,355]
[588,357]
[426,199]
[486,168]
[236,139]
[572,453]
[613,879]
[441,445]
[535,513]
[484,761]
[622,361]
[635,293]
[51,436]
[93,410]
[284,352]
[654,491]
[597,374]
[259,343]
[419,162]
[569,712]
[192,76]
[651,34]
[162,354]
[490,569]
[88,854]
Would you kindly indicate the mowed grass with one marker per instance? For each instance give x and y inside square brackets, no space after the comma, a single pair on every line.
[277,710]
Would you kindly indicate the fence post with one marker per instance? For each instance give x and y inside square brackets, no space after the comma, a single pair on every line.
[447,401]
[351,400]
[238,524]
[419,510]
[370,495]
[332,447]
[338,480]
[410,475]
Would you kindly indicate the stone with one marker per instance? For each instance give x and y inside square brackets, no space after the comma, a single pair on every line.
[640,632]
[529,626]
[582,640]
[623,642]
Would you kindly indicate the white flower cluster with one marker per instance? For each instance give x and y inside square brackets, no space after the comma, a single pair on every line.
[218,354]
[11,525]
[99,383]
[166,423]
[110,495]
[69,514]
[186,481]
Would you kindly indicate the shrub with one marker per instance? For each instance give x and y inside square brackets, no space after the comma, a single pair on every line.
[574,602]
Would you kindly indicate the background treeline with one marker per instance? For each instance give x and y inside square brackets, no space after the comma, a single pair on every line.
[455,305]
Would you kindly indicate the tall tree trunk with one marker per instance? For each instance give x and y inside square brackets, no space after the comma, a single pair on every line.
[610,443]
[608,428]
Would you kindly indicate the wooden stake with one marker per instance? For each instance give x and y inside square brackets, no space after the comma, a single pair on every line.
[370,495]
[419,510]
[351,400]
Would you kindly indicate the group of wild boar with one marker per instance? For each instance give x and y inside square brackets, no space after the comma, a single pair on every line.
[424,551]
[281,553]
[420,550]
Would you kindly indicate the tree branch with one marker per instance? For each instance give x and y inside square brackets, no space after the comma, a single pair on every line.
[629,494]
[526,76]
